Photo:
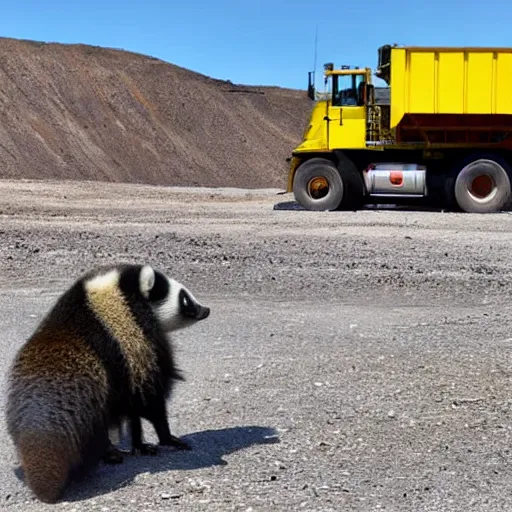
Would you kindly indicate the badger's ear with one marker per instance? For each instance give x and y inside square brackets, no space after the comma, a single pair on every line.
[146,280]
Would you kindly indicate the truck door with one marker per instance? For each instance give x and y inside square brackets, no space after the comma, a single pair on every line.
[347,113]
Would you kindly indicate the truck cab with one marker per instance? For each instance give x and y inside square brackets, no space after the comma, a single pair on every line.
[343,105]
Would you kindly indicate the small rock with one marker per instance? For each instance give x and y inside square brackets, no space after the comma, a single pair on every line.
[391,414]
[169,496]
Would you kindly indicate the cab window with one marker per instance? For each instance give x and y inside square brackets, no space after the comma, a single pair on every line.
[346,90]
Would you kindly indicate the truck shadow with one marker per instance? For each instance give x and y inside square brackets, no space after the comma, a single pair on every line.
[293,205]
[208,449]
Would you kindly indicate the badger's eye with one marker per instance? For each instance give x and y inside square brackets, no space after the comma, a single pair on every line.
[186,303]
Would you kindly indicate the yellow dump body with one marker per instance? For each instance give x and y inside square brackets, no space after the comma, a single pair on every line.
[427,80]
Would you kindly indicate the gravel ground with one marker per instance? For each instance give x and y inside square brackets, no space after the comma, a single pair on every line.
[352,361]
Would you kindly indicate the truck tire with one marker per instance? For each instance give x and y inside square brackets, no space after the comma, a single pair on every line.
[483,185]
[318,185]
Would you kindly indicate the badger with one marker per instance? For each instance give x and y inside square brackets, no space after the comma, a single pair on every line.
[99,359]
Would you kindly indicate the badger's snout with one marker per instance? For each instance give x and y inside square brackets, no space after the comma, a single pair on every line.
[202,312]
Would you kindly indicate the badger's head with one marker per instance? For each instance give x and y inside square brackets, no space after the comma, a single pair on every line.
[172,303]
[111,289]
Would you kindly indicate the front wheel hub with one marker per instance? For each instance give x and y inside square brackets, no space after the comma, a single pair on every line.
[318,187]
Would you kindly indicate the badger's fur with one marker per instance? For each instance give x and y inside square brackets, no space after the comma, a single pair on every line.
[100,357]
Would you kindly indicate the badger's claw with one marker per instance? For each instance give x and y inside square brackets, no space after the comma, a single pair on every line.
[145,449]
[175,442]
[114,455]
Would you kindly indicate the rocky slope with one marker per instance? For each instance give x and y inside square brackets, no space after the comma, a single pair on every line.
[90,113]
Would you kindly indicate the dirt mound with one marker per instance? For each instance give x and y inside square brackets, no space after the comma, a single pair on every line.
[90,113]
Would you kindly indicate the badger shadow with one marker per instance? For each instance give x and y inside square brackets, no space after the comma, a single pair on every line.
[208,449]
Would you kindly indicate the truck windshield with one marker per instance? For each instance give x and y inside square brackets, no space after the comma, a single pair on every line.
[345,90]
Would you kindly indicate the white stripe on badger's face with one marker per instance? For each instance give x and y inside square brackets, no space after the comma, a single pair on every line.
[169,311]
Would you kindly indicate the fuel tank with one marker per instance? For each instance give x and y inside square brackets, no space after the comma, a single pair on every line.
[395,179]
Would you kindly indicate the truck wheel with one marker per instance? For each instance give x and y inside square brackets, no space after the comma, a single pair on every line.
[483,186]
[318,185]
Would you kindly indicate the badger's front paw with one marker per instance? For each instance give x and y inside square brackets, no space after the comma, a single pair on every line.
[145,449]
[114,455]
[175,442]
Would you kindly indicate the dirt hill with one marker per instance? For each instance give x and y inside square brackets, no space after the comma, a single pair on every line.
[83,112]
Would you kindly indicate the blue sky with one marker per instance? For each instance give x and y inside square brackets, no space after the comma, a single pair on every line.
[259,41]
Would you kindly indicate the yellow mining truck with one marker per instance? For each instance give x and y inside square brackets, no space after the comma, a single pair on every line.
[439,132]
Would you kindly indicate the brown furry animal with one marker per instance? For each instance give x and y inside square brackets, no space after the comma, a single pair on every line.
[99,358]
